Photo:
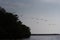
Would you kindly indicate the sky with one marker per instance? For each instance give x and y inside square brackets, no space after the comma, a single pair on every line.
[42,16]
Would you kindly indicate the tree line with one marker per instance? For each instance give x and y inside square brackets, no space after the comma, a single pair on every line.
[10,27]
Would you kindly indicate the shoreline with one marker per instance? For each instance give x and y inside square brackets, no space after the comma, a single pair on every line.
[43,34]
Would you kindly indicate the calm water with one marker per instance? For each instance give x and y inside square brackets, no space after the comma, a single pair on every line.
[53,37]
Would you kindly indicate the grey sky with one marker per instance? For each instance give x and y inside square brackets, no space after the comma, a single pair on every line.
[42,16]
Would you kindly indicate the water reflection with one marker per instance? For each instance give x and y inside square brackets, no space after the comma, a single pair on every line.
[54,37]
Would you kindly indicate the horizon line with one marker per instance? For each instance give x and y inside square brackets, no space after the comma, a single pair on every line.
[43,34]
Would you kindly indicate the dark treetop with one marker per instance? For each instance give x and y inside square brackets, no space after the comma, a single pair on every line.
[10,27]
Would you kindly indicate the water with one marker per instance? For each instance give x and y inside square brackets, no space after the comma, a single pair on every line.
[52,37]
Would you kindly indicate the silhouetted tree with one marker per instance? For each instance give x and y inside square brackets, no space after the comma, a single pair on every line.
[10,27]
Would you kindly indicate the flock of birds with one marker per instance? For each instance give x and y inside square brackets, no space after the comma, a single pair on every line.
[37,20]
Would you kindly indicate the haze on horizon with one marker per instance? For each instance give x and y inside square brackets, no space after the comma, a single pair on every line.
[42,16]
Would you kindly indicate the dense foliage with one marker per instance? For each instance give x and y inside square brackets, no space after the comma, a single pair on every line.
[10,27]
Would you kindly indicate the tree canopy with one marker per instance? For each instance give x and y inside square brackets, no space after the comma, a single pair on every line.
[10,27]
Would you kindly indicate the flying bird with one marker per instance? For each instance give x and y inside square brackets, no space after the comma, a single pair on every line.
[37,22]
[46,20]
[37,19]
[41,19]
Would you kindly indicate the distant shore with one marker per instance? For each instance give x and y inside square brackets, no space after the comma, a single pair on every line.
[43,34]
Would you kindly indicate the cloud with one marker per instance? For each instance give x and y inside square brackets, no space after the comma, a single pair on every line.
[47,1]
[15,5]
[51,1]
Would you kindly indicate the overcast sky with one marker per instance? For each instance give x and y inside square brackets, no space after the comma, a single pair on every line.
[42,16]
